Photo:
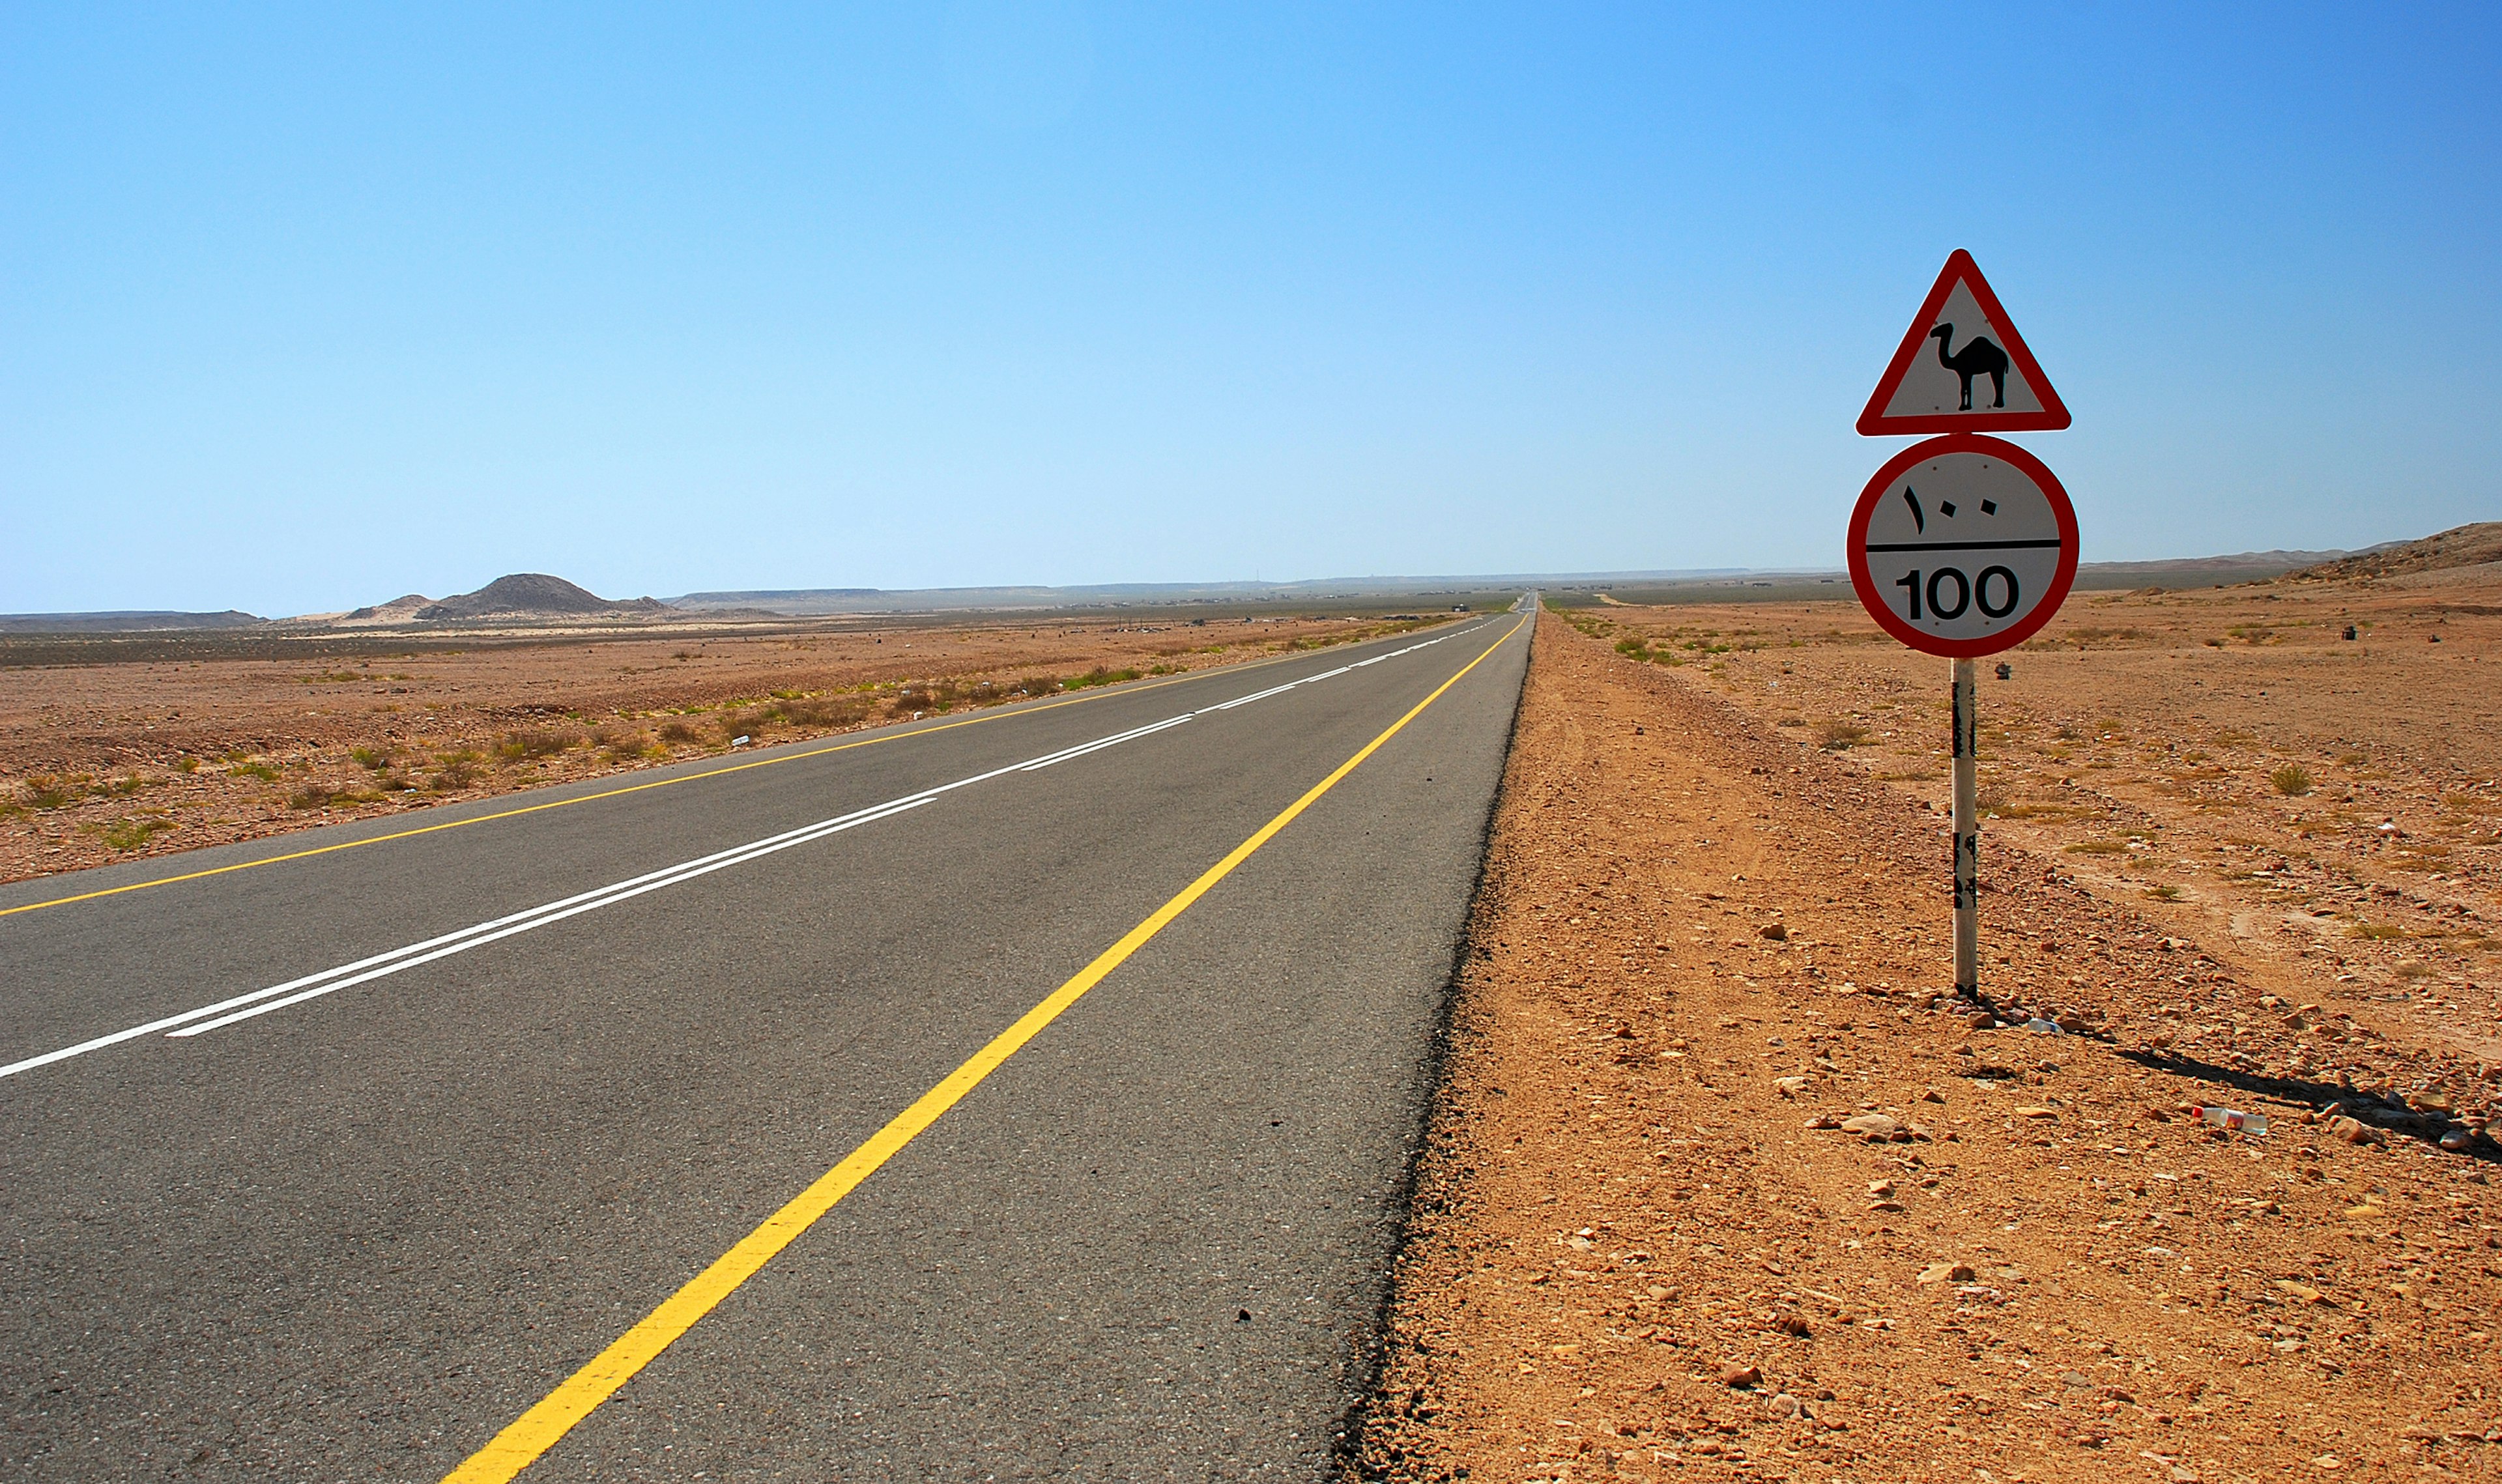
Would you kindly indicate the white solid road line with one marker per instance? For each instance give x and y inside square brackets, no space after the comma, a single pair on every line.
[294,992]
[607,897]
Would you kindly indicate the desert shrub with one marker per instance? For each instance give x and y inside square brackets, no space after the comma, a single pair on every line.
[2290,781]
[928,696]
[1834,735]
[1099,676]
[1038,685]
[252,769]
[313,795]
[46,792]
[678,731]
[186,764]
[131,834]
[454,770]
[372,758]
[827,711]
[535,742]
[623,745]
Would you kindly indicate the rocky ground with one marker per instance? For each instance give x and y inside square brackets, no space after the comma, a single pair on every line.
[115,750]
[1722,1186]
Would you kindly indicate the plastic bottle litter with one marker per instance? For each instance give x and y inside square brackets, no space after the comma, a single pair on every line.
[2231,1118]
[2040,1026]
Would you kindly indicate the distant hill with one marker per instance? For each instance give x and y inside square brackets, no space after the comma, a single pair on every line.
[526,596]
[139,621]
[2462,546]
[399,610]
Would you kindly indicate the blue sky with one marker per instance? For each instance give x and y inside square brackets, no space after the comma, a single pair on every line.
[307,307]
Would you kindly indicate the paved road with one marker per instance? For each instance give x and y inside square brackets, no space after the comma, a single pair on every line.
[359,1230]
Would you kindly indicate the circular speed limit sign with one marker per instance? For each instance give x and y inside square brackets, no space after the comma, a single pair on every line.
[1963,546]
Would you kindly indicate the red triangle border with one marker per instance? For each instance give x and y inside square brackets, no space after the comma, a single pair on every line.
[1873,421]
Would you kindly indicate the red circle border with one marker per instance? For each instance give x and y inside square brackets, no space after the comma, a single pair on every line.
[1882,611]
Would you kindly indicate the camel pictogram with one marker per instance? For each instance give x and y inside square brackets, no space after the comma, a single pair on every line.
[1978,356]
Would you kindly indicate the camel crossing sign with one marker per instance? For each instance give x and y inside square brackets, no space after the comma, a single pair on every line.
[1962,368]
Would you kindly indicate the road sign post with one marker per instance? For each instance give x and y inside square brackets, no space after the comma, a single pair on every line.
[1967,834]
[1963,545]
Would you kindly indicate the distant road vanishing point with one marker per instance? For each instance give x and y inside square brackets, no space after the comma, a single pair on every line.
[1018,1094]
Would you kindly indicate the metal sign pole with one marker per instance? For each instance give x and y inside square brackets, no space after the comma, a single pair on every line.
[1967,834]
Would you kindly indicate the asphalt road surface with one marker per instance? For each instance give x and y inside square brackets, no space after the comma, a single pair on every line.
[339,1165]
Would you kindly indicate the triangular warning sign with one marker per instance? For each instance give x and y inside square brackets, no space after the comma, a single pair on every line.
[1962,367]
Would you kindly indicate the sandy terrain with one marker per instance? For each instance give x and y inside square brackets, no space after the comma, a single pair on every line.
[1643,1249]
[183,741]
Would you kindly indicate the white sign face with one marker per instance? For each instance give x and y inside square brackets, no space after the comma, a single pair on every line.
[1963,546]
[1964,366]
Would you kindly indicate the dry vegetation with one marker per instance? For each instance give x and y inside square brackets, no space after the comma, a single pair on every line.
[114,752]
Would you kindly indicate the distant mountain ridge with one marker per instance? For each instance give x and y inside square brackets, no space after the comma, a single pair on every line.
[125,621]
[2462,546]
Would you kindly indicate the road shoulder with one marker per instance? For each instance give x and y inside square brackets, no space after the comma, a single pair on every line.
[1632,1256]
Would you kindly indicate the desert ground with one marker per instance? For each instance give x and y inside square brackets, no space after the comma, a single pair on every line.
[1724,1184]
[118,748]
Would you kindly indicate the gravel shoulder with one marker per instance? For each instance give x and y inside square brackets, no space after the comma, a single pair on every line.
[1649,1241]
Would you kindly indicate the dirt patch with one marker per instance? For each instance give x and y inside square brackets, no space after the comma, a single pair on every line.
[175,743]
[1720,1185]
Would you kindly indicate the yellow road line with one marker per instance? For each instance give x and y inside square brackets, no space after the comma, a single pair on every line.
[537,1430]
[662,783]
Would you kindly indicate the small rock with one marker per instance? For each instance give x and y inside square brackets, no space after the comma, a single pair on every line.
[1776,931]
[1797,1326]
[1932,1095]
[1824,1121]
[1980,1019]
[1786,1406]
[1740,1376]
[1946,1272]
[1881,1189]
[2030,1112]
[1873,1125]
[1790,1087]
[2457,1139]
